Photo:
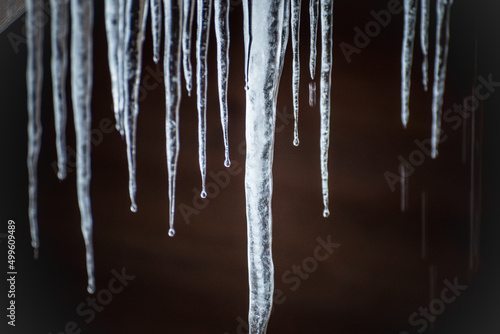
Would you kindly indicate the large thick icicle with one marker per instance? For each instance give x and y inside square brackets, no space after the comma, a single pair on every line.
[156,19]
[266,26]
[59,64]
[34,79]
[325,90]
[172,69]
[424,41]
[221,20]
[187,28]
[410,18]
[136,13]
[202,36]
[112,19]
[313,30]
[295,23]
[82,20]
[443,8]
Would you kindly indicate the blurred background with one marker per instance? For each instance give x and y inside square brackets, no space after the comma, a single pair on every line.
[394,254]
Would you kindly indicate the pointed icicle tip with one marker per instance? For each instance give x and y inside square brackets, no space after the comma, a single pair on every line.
[171,232]
[133,207]
[61,174]
[296,141]
[91,289]
[203,194]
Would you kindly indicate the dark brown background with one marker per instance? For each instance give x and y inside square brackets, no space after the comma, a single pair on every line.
[197,281]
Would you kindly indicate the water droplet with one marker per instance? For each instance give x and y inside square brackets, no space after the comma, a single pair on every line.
[296,141]
[91,289]
[61,174]
[203,194]
[133,207]
[326,213]
[227,162]
[171,232]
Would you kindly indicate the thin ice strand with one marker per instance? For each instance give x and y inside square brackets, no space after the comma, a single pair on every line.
[313,21]
[187,28]
[424,42]
[441,59]
[34,80]
[221,20]
[59,65]
[156,21]
[202,37]
[410,19]
[295,23]
[325,88]
[82,20]
[172,65]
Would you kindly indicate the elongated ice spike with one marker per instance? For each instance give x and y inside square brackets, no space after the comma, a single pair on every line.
[34,80]
[203,32]
[424,41]
[112,13]
[247,37]
[156,21]
[172,71]
[187,27]
[295,23]
[410,18]
[122,82]
[313,18]
[442,45]
[266,26]
[135,34]
[325,91]
[82,20]
[222,35]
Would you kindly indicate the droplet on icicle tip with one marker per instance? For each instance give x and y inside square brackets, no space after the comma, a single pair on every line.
[133,207]
[171,232]
[227,163]
[61,175]
[296,142]
[91,289]
[203,194]
[326,213]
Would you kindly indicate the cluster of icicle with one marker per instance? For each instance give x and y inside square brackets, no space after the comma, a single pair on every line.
[266,32]
[443,11]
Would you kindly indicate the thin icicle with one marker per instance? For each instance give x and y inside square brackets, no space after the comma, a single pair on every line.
[136,13]
[263,74]
[172,65]
[295,23]
[222,35]
[82,20]
[284,40]
[187,27]
[203,31]
[59,10]
[156,19]
[122,83]
[313,21]
[34,79]
[112,13]
[325,88]
[424,41]
[442,45]
[410,18]
[247,37]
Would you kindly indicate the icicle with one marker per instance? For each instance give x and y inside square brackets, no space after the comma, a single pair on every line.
[82,12]
[222,36]
[410,10]
[156,28]
[188,15]
[313,21]
[284,40]
[266,26]
[172,67]
[424,42]
[312,94]
[34,79]
[122,82]
[295,23]
[203,32]
[246,37]
[325,88]
[59,43]
[112,13]
[136,12]
[441,59]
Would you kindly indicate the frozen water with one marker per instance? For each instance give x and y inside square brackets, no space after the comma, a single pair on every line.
[410,18]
